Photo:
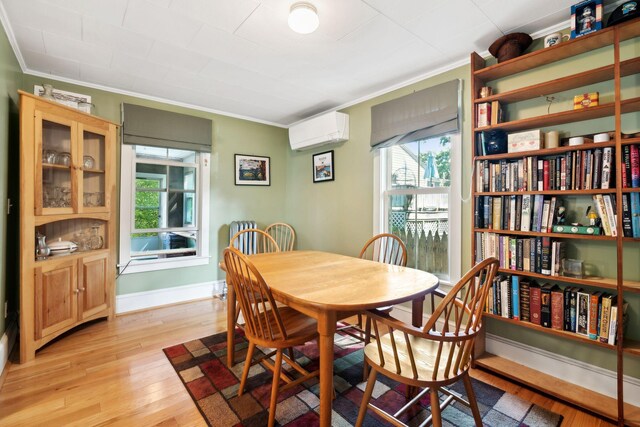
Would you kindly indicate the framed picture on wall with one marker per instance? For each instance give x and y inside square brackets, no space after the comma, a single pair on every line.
[323,167]
[252,170]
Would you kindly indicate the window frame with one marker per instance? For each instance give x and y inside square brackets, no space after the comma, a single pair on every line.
[382,182]
[129,265]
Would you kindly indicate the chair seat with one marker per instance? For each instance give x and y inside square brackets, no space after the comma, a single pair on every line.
[300,329]
[424,351]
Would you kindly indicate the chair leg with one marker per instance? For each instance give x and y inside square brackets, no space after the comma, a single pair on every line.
[274,388]
[367,331]
[237,314]
[435,407]
[366,397]
[247,366]
[290,351]
[471,396]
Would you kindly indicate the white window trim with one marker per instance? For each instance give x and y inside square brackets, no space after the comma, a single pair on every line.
[127,178]
[380,169]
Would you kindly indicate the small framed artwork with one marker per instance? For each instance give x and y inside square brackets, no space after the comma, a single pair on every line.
[323,167]
[252,170]
[586,17]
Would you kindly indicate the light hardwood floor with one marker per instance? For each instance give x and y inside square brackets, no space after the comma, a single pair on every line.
[115,373]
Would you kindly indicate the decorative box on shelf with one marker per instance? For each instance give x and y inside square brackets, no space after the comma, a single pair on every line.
[576,229]
[525,141]
[585,100]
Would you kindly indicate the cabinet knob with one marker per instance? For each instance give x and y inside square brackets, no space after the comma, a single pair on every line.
[81,289]
[76,291]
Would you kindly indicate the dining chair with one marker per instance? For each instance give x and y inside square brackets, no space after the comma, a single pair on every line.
[389,249]
[268,325]
[435,355]
[283,234]
[253,241]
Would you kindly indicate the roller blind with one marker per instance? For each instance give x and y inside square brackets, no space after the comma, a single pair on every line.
[424,114]
[158,128]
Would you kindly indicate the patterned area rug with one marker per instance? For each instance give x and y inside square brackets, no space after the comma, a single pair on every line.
[201,364]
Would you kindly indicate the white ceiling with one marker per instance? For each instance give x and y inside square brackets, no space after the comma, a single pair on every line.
[239,57]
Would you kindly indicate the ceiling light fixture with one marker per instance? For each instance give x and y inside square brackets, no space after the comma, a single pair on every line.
[303,18]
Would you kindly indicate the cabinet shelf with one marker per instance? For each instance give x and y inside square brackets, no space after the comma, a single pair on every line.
[47,219]
[631,347]
[93,170]
[539,234]
[546,151]
[595,282]
[55,166]
[629,141]
[71,256]
[564,334]
[631,190]
[559,52]
[600,111]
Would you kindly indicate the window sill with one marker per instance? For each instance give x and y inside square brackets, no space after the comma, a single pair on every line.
[162,264]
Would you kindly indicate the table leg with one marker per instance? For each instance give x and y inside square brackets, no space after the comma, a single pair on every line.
[326,329]
[231,327]
[417,305]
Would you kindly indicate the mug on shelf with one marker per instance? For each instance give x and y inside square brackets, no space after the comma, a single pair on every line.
[554,39]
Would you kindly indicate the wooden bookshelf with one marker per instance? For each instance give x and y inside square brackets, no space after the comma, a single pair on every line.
[622,281]
[563,334]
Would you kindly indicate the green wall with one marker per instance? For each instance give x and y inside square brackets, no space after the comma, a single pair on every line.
[228,202]
[10,81]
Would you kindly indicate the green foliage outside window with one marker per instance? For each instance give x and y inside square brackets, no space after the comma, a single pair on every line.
[147,212]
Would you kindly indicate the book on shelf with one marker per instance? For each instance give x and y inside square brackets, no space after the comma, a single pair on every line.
[546,205]
[553,205]
[545,305]
[607,161]
[545,256]
[566,321]
[627,230]
[597,168]
[582,313]
[613,322]
[634,158]
[515,297]
[625,167]
[534,303]
[557,308]
[605,318]
[496,113]
[483,114]
[610,212]
[524,300]
[601,210]
[595,300]
[525,216]
[505,297]
[558,249]
[635,214]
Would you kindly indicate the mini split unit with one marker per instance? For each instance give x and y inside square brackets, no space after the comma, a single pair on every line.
[328,128]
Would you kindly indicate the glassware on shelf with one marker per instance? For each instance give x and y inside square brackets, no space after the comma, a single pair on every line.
[64,159]
[95,240]
[88,162]
[49,156]
[82,240]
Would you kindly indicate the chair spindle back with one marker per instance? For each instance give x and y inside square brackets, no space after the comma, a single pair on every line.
[283,234]
[386,248]
[253,241]
[260,312]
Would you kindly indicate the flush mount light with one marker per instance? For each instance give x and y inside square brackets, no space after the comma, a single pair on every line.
[303,18]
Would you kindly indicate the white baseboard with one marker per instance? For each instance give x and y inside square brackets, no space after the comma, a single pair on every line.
[6,344]
[568,369]
[156,298]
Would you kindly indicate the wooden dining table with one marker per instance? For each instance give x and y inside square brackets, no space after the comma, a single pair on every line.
[329,287]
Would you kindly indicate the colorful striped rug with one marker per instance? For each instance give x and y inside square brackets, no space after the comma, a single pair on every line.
[201,365]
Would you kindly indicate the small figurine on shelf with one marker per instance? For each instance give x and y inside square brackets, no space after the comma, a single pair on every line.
[592,216]
[561,215]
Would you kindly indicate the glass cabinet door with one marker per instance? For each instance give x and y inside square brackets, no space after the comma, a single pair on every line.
[55,175]
[93,150]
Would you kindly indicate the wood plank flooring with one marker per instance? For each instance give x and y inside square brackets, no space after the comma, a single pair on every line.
[115,373]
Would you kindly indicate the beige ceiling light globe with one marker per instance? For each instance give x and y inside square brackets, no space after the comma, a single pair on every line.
[303,18]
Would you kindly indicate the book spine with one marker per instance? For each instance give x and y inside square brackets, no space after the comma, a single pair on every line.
[582,314]
[604,319]
[545,307]
[515,297]
[593,315]
[635,165]
[573,309]
[613,325]
[602,213]
[557,309]
[626,166]
[525,221]
[520,254]
[627,230]
[538,255]
[524,301]
[566,324]
[597,168]
[635,214]
[483,114]
[504,297]
[607,155]
[545,215]
[608,204]
[552,214]
[569,158]
[540,173]
[545,265]
[534,305]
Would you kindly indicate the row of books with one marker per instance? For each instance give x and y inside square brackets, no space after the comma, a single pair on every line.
[630,166]
[574,170]
[488,114]
[590,314]
[541,255]
[517,213]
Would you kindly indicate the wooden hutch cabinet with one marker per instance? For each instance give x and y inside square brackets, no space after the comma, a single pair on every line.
[67,194]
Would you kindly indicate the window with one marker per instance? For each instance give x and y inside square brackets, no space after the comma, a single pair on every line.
[164,208]
[420,202]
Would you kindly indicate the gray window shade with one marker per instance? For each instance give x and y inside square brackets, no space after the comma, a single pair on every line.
[158,128]
[424,114]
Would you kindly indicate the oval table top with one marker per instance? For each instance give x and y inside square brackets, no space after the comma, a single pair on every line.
[330,281]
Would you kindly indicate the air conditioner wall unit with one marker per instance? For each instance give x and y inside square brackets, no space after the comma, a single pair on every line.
[325,129]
